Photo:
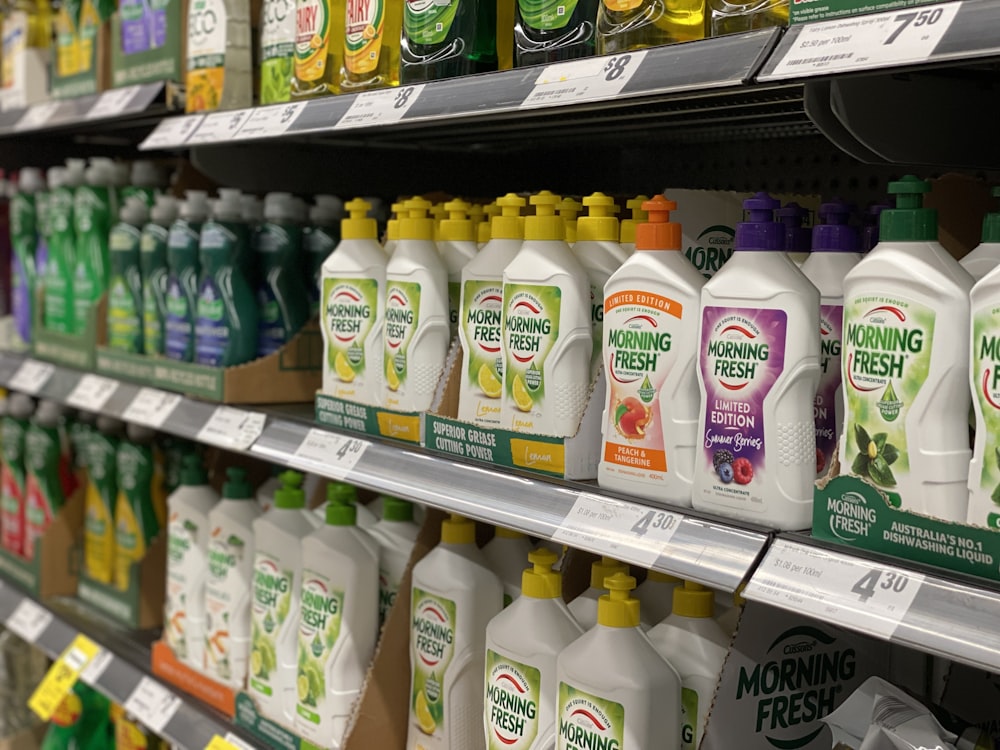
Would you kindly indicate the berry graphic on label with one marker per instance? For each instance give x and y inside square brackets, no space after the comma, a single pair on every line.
[632,417]
[722,457]
[742,471]
[726,473]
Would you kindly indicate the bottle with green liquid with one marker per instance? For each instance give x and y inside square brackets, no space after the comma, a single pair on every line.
[447,39]
[282,298]
[125,284]
[549,31]
[58,310]
[93,213]
[624,25]
[99,501]
[135,517]
[182,276]
[153,267]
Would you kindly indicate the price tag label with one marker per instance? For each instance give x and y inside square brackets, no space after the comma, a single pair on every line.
[379,107]
[266,122]
[152,704]
[233,429]
[92,392]
[96,667]
[37,116]
[172,132]
[61,677]
[872,597]
[151,407]
[583,80]
[112,102]
[220,127]
[329,454]
[229,742]
[31,376]
[625,531]
[28,620]
[907,35]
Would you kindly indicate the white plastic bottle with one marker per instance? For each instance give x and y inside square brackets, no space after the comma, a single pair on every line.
[986,255]
[392,230]
[834,253]
[650,354]
[456,241]
[506,553]
[481,310]
[728,610]
[188,532]
[267,489]
[338,624]
[628,225]
[546,329]
[615,690]
[598,251]
[274,616]
[230,581]
[522,644]
[584,607]
[396,534]
[759,369]
[454,597]
[906,349]
[697,646]
[352,310]
[656,594]
[984,379]
[416,331]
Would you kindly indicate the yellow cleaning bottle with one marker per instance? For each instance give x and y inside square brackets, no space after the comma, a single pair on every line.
[319,47]
[372,35]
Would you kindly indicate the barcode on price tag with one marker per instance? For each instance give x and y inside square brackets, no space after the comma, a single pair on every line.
[379,107]
[112,102]
[583,80]
[870,596]
[151,407]
[626,531]
[152,704]
[234,429]
[28,620]
[172,132]
[329,454]
[266,122]
[31,376]
[37,116]
[92,392]
[61,677]
[219,127]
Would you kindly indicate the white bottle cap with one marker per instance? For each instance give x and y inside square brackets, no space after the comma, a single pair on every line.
[329,209]
[121,174]
[195,206]
[57,177]
[76,170]
[227,206]
[164,211]
[134,212]
[279,207]
[30,180]
[252,210]
[101,171]
[145,174]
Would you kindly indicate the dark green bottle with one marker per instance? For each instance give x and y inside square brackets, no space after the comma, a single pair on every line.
[549,31]
[447,38]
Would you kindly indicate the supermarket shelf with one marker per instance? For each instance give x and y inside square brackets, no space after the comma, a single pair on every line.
[114,105]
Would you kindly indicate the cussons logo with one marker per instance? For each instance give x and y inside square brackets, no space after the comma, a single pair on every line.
[511,702]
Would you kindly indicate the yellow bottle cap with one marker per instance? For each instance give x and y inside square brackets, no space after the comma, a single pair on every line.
[437,213]
[458,530]
[617,609]
[457,227]
[504,533]
[392,226]
[600,223]
[628,225]
[508,223]
[601,569]
[476,213]
[414,224]
[544,224]
[484,229]
[358,226]
[659,233]
[655,575]
[540,581]
[693,600]
[568,209]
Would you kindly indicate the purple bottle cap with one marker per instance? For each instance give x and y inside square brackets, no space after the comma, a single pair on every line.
[797,237]
[835,235]
[761,231]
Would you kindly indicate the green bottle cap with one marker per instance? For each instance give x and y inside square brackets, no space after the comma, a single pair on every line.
[192,471]
[908,221]
[341,492]
[236,487]
[396,509]
[991,222]
[290,495]
[341,511]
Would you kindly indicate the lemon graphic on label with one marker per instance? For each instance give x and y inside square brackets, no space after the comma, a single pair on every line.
[256,662]
[522,399]
[489,382]
[343,368]
[369,32]
[391,378]
[424,718]
[303,685]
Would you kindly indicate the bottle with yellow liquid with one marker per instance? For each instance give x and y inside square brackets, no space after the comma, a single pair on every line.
[99,502]
[135,516]
[733,16]
[624,25]
[372,32]
[319,47]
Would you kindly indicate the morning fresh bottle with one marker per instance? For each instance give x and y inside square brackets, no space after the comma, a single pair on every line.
[522,644]
[319,239]
[834,253]
[906,345]
[183,271]
[637,215]
[656,594]
[505,553]
[57,279]
[99,527]
[615,690]
[696,645]
[125,278]
[584,607]
[758,374]
[985,256]
[597,249]
[282,299]
[454,597]
[396,534]
[416,331]
[338,624]
[352,310]
[188,529]
[650,354]
[94,209]
[229,588]
[545,33]
[48,467]
[456,242]
[277,584]
[277,50]
[546,329]
[24,237]
[136,524]
[155,276]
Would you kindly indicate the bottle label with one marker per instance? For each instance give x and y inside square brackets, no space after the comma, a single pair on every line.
[152,315]
[742,355]
[143,26]
[547,15]
[349,312]
[134,465]
[319,627]
[223,591]
[211,326]
[277,40]
[402,317]
[831,326]
[710,250]
[12,485]
[887,355]
[513,697]
[21,302]
[364,22]
[586,721]
[42,488]
[206,54]
[986,375]
[99,525]
[530,329]
[130,542]
[69,711]
[480,318]
[179,328]
[312,40]
[272,600]
[639,357]
[432,641]
[185,562]
[271,328]
[428,21]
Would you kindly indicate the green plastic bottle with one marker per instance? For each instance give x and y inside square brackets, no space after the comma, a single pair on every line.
[226,318]
[145,181]
[24,238]
[79,429]
[548,31]
[447,39]
[99,502]
[49,472]
[153,266]
[81,722]
[58,312]
[282,297]
[319,239]
[13,478]
[93,211]
[182,279]
[125,283]
[135,516]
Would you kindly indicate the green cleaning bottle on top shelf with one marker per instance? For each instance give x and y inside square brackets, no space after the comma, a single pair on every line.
[549,31]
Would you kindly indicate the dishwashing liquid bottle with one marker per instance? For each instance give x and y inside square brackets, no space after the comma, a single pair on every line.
[155,276]
[505,553]
[125,323]
[456,241]
[182,280]
[584,607]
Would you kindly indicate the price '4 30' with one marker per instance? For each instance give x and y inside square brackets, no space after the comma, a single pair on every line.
[868,585]
[654,520]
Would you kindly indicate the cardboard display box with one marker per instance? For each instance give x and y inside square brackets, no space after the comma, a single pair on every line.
[82,62]
[141,605]
[368,420]
[71,350]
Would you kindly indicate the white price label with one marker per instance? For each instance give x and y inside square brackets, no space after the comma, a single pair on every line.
[92,393]
[907,35]
[583,80]
[37,116]
[151,407]
[329,454]
[870,596]
[31,376]
[97,667]
[29,620]
[220,127]
[172,132]
[266,122]
[152,704]
[379,107]
[626,531]
[233,429]
[113,102]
